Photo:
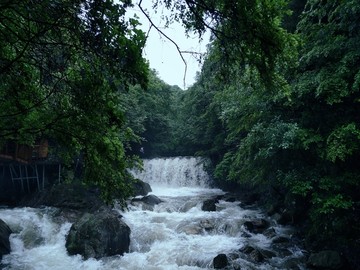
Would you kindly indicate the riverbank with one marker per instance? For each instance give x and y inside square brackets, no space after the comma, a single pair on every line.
[256,228]
[334,253]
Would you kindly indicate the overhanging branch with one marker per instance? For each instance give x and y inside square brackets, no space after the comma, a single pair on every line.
[167,37]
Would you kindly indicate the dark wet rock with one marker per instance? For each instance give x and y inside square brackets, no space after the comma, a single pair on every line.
[285,217]
[249,199]
[283,252]
[281,239]
[256,256]
[209,205]
[272,209]
[147,202]
[5,232]
[326,259]
[267,254]
[292,264]
[256,225]
[151,200]
[98,235]
[245,235]
[220,261]
[144,206]
[140,188]
[276,217]
[229,197]
[67,196]
[247,249]
[270,232]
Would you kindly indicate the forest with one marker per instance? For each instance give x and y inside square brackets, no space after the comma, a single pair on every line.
[275,106]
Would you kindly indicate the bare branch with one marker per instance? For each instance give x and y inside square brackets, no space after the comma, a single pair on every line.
[168,38]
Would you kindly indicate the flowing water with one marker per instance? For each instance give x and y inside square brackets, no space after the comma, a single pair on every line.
[176,234]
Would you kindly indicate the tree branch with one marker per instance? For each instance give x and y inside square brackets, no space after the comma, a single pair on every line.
[168,38]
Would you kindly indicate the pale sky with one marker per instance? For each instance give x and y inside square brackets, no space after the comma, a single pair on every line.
[163,55]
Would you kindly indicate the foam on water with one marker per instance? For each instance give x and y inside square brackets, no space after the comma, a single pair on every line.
[177,234]
[174,172]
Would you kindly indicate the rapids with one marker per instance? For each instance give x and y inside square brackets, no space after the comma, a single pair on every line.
[177,234]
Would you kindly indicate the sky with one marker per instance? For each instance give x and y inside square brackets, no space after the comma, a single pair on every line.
[163,55]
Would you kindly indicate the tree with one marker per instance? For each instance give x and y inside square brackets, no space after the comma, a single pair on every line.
[248,32]
[63,68]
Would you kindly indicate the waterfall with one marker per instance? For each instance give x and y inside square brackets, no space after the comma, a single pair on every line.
[174,172]
[176,234]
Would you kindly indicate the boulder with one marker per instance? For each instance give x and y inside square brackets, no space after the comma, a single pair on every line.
[256,225]
[281,239]
[257,254]
[285,217]
[147,202]
[151,200]
[250,199]
[209,205]
[270,232]
[140,188]
[98,235]
[292,264]
[326,259]
[5,232]
[247,249]
[220,261]
[66,196]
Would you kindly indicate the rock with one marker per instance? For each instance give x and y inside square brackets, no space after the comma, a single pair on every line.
[269,233]
[256,256]
[280,240]
[209,205]
[272,209]
[247,249]
[147,203]
[5,232]
[187,206]
[66,196]
[284,218]
[292,264]
[220,261]
[256,225]
[140,188]
[245,235]
[229,197]
[207,225]
[144,206]
[98,235]
[276,217]
[250,199]
[267,254]
[326,259]
[151,200]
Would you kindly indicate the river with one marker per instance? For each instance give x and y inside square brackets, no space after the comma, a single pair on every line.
[176,234]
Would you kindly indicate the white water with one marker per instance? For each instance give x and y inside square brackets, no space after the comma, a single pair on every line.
[177,234]
[174,172]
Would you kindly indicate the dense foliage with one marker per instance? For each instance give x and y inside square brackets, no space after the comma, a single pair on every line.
[294,126]
[64,66]
[275,106]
